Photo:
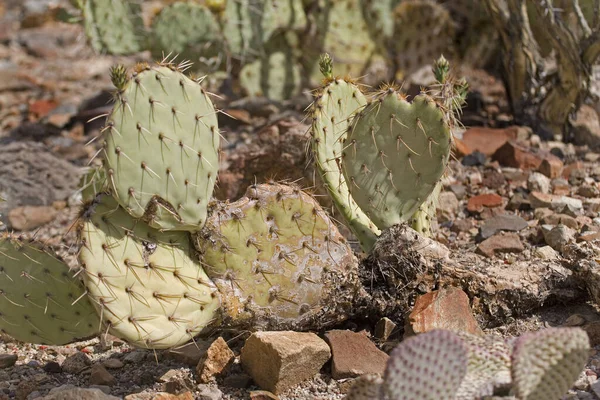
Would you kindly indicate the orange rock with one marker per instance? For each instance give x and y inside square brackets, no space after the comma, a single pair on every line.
[488,140]
[514,154]
[460,148]
[41,108]
[477,203]
[551,167]
[442,309]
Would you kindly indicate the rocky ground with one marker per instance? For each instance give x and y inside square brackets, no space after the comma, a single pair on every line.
[513,199]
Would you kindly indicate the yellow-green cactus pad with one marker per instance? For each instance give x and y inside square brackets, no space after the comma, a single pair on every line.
[278,261]
[332,112]
[161,148]
[143,282]
[421,220]
[40,299]
[394,155]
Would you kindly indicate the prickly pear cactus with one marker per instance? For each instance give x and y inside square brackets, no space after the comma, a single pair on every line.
[143,282]
[430,366]
[191,31]
[278,260]
[275,74]
[113,26]
[161,147]
[40,299]
[92,183]
[332,112]
[423,31]
[547,363]
[394,155]
[421,220]
[366,387]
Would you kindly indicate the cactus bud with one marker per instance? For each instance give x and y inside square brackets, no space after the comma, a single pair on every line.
[326,65]
[119,76]
[441,68]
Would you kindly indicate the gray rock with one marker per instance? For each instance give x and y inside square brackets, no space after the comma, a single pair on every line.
[559,236]
[506,222]
[7,360]
[135,357]
[206,392]
[538,182]
[586,127]
[76,363]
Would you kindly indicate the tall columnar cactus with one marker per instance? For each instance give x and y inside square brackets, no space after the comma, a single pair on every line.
[335,105]
[40,299]
[161,147]
[113,26]
[395,154]
[459,366]
[278,260]
[144,284]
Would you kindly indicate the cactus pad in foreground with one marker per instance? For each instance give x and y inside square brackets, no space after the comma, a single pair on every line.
[161,148]
[40,299]
[278,260]
[143,282]
[395,154]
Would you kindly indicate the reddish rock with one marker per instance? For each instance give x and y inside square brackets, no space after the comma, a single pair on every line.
[353,355]
[30,217]
[501,243]
[215,361]
[442,309]
[554,202]
[460,148]
[160,396]
[570,168]
[477,203]
[41,108]
[488,140]
[551,167]
[513,154]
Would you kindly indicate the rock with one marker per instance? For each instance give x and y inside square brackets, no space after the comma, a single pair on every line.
[100,376]
[53,367]
[488,140]
[551,167]
[384,328]
[554,202]
[174,381]
[459,191]
[30,217]
[557,219]
[135,357]
[113,363]
[238,381]
[353,355]
[30,175]
[545,253]
[493,179]
[442,309]
[25,388]
[214,361]
[559,236]
[160,396]
[477,203]
[513,154]
[501,243]
[474,159]
[262,395]
[8,360]
[447,206]
[76,363]
[104,388]
[206,392]
[505,222]
[70,392]
[588,191]
[538,183]
[279,360]
[586,127]
[518,202]
[592,205]
[190,353]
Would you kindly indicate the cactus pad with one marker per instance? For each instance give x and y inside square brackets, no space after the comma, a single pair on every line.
[277,259]
[429,366]
[40,299]
[143,282]
[394,155]
[421,220]
[191,31]
[332,112]
[113,26]
[547,363]
[423,31]
[161,143]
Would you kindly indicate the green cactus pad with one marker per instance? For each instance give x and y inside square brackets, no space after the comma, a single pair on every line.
[394,155]
[340,30]
[429,366]
[332,112]
[40,299]
[142,281]
[191,31]
[547,363]
[421,220]
[113,26]
[161,149]
[277,259]
[489,367]
[276,74]
[366,387]
[423,31]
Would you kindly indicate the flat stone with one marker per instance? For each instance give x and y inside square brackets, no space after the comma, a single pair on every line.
[217,358]
[206,392]
[559,236]
[278,361]
[70,392]
[384,328]
[135,357]
[442,309]
[8,360]
[557,219]
[113,363]
[30,217]
[554,202]
[487,140]
[477,203]
[354,354]
[160,396]
[545,253]
[100,376]
[505,222]
[508,242]
[262,395]
[76,363]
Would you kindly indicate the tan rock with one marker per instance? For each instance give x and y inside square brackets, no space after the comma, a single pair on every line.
[160,396]
[442,309]
[353,355]
[508,242]
[70,392]
[30,217]
[279,360]
[214,361]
